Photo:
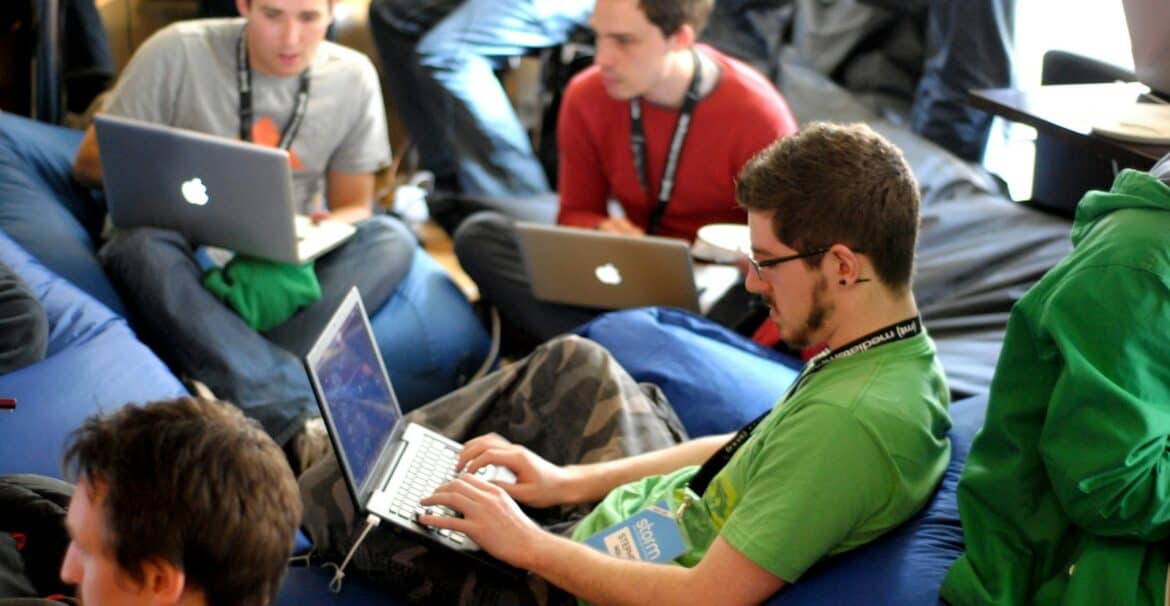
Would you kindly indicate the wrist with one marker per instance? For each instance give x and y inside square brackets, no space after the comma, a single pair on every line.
[538,551]
[580,485]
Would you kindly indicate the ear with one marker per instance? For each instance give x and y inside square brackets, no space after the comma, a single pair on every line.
[163,581]
[683,39]
[243,7]
[844,265]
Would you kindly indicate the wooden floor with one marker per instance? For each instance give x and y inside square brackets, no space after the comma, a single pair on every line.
[438,244]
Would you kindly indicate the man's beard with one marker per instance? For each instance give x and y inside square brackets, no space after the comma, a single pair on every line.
[819,309]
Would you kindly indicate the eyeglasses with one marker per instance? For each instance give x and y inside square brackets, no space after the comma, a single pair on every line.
[759,266]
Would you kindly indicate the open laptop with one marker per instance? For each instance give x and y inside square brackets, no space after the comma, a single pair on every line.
[1149,35]
[609,271]
[213,190]
[388,463]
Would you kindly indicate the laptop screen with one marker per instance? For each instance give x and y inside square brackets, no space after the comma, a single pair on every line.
[355,390]
[1149,34]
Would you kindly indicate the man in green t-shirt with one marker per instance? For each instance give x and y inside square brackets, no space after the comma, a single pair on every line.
[853,449]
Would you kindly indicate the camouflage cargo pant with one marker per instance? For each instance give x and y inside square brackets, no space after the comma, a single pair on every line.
[569,402]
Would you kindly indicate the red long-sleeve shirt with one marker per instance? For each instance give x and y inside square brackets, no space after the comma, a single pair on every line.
[741,116]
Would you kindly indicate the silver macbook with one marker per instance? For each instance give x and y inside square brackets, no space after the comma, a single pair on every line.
[609,271]
[213,190]
[388,464]
[1149,35]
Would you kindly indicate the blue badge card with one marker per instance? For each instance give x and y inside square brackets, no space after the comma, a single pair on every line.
[651,535]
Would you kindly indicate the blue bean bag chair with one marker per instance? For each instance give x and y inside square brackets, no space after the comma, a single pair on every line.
[94,362]
[716,380]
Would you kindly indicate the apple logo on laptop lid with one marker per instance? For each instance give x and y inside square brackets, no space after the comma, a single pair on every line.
[608,274]
[194,192]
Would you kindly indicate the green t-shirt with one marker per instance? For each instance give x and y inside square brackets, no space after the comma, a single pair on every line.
[855,451]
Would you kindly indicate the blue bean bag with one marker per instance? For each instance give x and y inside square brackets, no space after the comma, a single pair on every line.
[46,211]
[716,380]
[309,586]
[94,362]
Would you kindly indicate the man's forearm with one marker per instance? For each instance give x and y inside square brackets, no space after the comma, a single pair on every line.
[599,578]
[595,480]
[87,164]
[352,214]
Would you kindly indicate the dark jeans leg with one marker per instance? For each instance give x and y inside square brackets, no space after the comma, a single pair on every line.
[488,250]
[157,275]
[410,88]
[968,46]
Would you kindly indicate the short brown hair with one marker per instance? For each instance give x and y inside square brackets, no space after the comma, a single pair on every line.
[670,15]
[833,183]
[194,483]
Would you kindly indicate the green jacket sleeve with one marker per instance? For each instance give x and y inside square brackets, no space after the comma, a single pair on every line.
[1106,436]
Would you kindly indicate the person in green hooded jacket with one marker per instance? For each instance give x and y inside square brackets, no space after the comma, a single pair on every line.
[1066,495]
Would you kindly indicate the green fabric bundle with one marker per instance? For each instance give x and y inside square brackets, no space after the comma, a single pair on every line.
[264,293]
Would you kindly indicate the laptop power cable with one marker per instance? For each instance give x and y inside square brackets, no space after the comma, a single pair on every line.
[339,576]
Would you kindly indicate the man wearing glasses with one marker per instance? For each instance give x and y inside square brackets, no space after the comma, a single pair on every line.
[853,449]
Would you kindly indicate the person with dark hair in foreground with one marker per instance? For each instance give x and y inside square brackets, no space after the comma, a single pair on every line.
[178,502]
[854,448]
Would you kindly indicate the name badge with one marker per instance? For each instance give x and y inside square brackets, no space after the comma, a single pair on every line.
[651,535]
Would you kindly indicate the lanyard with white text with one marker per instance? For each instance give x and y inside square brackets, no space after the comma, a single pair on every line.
[681,128]
[244,80]
[889,334]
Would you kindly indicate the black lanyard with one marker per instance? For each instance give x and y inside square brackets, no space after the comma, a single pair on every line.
[890,334]
[244,80]
[681,128]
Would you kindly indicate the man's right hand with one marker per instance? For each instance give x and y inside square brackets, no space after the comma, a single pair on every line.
[538,482]
[620,225]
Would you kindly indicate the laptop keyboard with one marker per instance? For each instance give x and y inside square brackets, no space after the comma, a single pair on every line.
[306,229]
[432,466]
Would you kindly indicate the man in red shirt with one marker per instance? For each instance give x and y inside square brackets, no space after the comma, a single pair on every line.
[651,83]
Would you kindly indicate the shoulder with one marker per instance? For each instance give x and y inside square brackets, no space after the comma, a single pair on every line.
[904,378]
[197,34]
[586,87]
[333,59]
[194,42]
[741,76]
[759,110]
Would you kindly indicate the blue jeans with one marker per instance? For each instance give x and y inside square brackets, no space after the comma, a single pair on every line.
[439,59]
[157,274]
[968,46]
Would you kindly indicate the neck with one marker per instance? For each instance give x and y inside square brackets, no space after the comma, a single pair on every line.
[869,312]
[671,91]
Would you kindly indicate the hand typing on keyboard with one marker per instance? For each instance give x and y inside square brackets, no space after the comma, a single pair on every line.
[483,511]
[496,475]
[530,479]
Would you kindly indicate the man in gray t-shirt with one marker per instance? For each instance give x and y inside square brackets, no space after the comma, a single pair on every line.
[189,75]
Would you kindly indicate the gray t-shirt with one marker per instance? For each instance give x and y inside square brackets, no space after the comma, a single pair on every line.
[185,76]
